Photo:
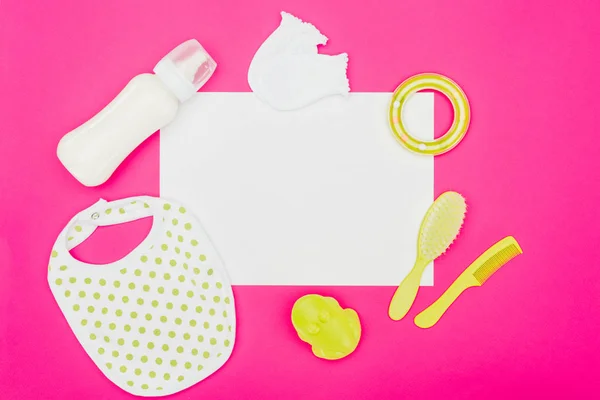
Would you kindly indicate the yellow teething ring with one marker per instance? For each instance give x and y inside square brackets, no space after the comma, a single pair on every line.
[460,105]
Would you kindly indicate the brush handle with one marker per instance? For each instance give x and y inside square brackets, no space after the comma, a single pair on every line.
[432,314]
[406,293]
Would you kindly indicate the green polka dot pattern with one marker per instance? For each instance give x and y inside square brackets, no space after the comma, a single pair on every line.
[144,319]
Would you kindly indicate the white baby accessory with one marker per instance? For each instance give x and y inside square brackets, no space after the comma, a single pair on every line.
[288,73]
[160,319]
[94,150]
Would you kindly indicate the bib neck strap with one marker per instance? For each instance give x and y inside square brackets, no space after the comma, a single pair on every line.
[104,213]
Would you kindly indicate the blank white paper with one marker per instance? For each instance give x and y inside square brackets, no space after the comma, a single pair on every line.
[324,195]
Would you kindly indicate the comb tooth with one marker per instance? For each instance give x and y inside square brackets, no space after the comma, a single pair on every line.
[494,263]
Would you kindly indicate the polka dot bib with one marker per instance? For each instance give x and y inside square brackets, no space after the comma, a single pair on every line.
[157,321]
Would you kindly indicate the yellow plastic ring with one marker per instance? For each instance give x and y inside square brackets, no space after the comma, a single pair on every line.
[460,105]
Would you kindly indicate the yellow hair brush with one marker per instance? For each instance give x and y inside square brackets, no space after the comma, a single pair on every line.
[439,228]
[475,275]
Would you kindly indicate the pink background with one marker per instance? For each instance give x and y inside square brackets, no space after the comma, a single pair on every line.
[528,167]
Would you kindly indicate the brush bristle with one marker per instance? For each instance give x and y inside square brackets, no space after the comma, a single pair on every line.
[492,265]
[441,224]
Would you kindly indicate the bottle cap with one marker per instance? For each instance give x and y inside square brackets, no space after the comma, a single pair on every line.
[185,69]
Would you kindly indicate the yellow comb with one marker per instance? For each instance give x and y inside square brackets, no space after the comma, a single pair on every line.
[475,275]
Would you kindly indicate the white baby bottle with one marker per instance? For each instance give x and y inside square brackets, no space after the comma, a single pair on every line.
[93,151]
